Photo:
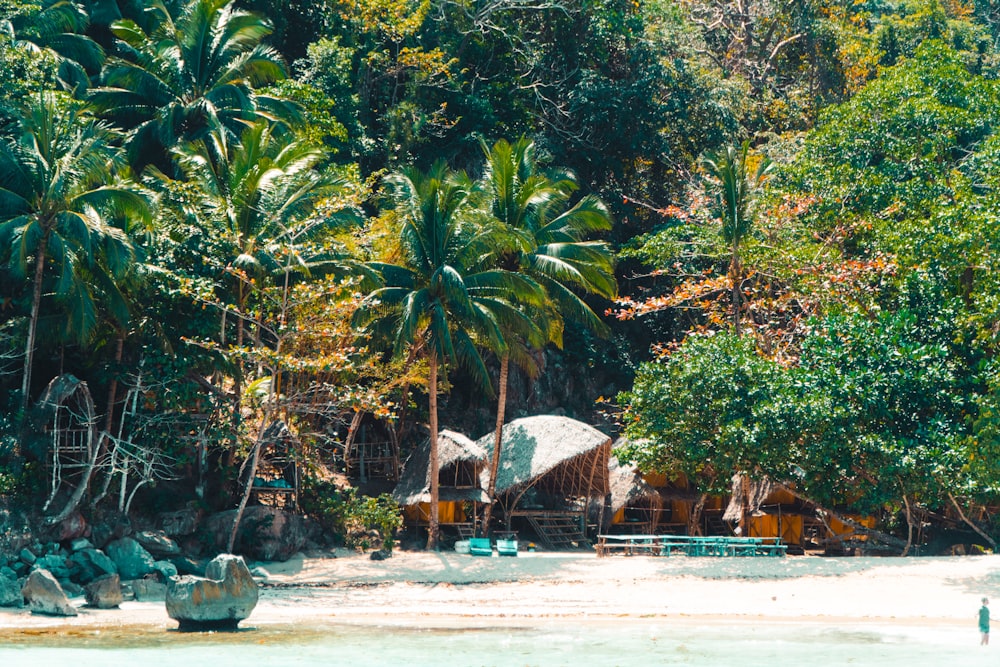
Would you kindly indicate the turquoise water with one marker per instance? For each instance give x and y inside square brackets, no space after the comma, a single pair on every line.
[606,643]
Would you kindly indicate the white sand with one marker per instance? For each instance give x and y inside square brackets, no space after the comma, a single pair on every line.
[936,590]
[416,588]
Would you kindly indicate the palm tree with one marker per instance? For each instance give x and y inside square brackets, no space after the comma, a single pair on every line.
[59,27]
[59,190]
[548,244]
[260,201]
[737,187]
[192,75]
[260,198]
[442,295]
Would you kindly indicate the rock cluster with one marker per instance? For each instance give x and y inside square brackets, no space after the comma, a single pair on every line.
[109,562]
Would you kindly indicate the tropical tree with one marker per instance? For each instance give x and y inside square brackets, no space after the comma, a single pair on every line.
[263,198]
[443,297]
[59,27]
[267,215]
[60,192]
[713,408]
[547,242]
[192,75]
[738,180]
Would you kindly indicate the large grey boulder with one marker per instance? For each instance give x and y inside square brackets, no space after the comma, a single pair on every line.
[265,534]
[104,592]
[219,601]
[131,559]
[166,569]
[10,589]
[148,590]
[44,595]
[180,523]
[90,564]
[79,544]
[157,543]
[54,563]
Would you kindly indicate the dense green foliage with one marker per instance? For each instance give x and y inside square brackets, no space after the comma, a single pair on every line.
[780,222]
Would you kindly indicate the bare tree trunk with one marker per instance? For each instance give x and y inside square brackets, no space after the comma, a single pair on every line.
[694,518]
[36,304]
[979,531]
[434,529]
[909,526]
[248,489]
[497,440]
[847,521]
[745,514]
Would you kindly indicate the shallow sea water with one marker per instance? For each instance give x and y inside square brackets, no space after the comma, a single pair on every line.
[599,643]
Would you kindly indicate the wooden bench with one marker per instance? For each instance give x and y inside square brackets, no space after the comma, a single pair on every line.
[628,544]
[689,545]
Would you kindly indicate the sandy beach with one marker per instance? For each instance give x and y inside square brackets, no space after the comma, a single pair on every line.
[442,589]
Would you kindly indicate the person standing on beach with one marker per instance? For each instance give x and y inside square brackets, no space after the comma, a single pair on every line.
[984,623]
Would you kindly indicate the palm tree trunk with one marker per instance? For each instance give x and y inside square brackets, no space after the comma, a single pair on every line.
[109,417]
[36,303]
[497,439]
[734,271]
[434,528]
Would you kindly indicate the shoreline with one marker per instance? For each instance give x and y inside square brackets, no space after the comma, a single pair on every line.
[448,590]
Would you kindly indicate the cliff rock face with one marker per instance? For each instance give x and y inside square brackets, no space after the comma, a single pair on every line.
[219,601]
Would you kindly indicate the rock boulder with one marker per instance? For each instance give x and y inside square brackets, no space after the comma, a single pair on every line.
[131,559]
[265,534]
[44,595]
[157,543]
[104,592]
[219,601]
[10,589]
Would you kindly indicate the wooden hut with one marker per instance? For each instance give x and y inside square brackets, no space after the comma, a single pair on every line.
[277,480]
[635,506]
[460,462]
[551,469]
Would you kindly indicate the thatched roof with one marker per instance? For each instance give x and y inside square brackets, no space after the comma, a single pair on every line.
[563,455]
[759,490]
[59,390]
[629,489]
[415,481]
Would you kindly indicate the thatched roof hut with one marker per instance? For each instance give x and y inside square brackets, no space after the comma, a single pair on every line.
[754,494]
[629,489]
[559,455]
[460,461]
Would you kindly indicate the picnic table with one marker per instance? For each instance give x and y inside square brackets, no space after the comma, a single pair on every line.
[689,545]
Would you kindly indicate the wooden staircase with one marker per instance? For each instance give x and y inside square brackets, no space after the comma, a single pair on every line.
[556,529]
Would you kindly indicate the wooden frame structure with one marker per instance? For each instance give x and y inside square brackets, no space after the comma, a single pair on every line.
[71,426]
